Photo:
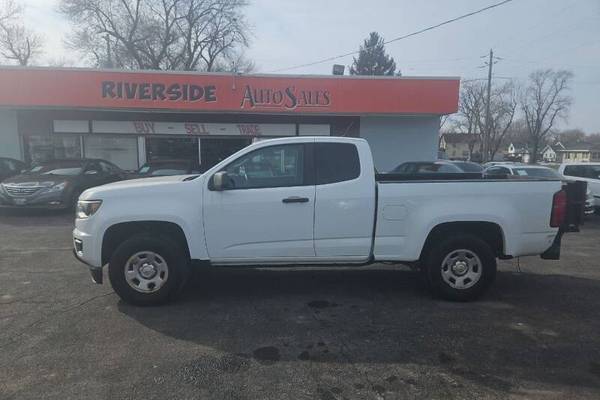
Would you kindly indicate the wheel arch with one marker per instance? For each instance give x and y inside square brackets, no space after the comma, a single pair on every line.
[489,232]
[117,233]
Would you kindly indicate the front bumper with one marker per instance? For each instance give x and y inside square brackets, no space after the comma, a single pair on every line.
[44,200]
[87,248]
[96,273]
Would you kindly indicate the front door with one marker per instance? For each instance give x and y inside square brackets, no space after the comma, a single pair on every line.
[94,175]
[266,214]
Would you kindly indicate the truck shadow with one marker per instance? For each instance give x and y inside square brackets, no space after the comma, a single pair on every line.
[529,327]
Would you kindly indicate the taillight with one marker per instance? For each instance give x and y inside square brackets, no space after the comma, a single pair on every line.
[559,209]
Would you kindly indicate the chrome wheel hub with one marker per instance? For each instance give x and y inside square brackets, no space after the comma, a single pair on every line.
[461,269]
[146,271]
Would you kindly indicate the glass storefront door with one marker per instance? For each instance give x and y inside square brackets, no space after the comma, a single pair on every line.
[214,150]
[120,150]
[177,148]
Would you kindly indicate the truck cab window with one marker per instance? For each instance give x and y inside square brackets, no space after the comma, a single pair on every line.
[336,162]
[274,166]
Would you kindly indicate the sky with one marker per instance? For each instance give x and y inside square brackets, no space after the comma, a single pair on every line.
[526,34]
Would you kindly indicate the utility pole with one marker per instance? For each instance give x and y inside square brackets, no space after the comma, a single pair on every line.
[487,105]
[486,134]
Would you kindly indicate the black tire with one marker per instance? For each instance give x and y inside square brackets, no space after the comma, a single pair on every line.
[437,273]
[177,264]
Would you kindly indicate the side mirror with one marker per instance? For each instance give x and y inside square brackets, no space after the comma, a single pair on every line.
[220,181]
[91,172]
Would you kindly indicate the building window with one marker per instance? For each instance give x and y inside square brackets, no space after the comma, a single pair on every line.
[121,151]
[50,147]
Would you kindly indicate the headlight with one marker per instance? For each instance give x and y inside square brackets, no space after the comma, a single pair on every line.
[87,208]
[58,187]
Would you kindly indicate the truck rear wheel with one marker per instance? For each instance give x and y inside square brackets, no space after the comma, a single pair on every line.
[148,270]
[460,268]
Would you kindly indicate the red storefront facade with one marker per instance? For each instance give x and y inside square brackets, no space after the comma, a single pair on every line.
[132,116]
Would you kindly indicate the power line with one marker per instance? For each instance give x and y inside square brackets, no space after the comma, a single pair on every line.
[429,28]
[543,22]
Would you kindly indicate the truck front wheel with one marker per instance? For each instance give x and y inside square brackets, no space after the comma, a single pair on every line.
[460,268]
[148,270]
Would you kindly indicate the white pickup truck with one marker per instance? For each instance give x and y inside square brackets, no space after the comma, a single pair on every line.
[314,200]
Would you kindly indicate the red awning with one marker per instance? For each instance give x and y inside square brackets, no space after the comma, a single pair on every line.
[182,91]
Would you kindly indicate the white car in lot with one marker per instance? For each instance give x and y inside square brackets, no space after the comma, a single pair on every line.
[518,170]
[522,171]
[588,172]
[316,200]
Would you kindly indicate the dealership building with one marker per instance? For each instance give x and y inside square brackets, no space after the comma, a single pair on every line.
[131,117]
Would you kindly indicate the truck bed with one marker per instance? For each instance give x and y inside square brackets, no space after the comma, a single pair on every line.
[431,176]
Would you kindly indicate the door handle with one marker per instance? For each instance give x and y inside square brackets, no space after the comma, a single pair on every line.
[295,199]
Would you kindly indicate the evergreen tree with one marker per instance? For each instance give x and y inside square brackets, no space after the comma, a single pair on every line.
[372,59]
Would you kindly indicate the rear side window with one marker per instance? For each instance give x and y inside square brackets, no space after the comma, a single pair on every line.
[336,162]
[498,171]
[575,170]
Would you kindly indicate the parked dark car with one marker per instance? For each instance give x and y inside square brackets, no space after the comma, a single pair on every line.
[10,167]
[166,168]
[56,184]
[426,167]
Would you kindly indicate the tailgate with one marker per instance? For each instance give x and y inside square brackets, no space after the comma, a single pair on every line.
[576,196]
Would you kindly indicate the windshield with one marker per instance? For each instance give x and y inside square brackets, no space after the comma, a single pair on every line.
[469,166]
[545,173]
[425,168]
[164,169]
[63,168]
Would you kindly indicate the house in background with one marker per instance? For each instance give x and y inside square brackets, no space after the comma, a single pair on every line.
[550,153]
[461,146]
[518,152]
[579,152]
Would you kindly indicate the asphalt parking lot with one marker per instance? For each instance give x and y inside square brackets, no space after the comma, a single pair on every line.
[345,333]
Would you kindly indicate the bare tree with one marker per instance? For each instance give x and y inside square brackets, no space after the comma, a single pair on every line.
[9,10]
[571,135]
[17,43]
[472,114]
[503,106]
[157,34]
[544,101]
[235,63]
[471,109]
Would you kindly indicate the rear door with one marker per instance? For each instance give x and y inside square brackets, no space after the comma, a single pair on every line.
[345,203]
[267,214]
